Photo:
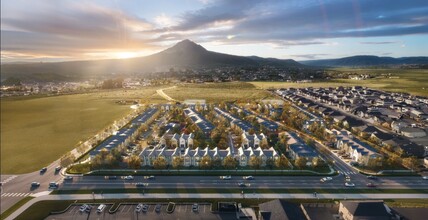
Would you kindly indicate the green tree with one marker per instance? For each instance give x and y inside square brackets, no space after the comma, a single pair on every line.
[270,163]
[134,162]
[301,162]
[255,162]
[282,162]
[160,163]
[394,160]
[411,162]
[205,163]
[177,162]
[216,163]
[229,162]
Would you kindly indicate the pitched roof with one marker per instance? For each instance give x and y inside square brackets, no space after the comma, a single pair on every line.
[366,208]
[280,209]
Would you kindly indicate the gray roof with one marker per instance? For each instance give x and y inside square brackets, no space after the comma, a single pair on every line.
[375,209]
[280,209]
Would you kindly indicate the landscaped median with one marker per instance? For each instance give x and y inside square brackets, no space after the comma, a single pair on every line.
[196,172]
[238,190]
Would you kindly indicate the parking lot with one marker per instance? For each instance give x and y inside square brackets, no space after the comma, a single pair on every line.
[127,211]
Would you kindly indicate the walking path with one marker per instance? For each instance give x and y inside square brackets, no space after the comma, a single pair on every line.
[164,95]
[42,197]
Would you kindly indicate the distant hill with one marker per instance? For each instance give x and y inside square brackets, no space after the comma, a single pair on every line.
[366,61]
[185,54]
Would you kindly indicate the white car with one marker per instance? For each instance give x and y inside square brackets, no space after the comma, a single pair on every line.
[425,177]
[248,177]
[128,177]
[68,178]
[349,184]
[225,177]
[325,179]
[149,177]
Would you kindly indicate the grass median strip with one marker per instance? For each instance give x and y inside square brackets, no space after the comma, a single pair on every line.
[237,190]
[15,207]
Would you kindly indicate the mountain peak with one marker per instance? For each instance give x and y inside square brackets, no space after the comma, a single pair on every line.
[187,46]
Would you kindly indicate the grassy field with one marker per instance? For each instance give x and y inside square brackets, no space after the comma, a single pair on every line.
[218,92]
[37,131]
[407,80]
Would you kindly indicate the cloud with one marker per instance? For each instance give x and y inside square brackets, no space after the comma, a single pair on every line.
[379,42]
[310,56]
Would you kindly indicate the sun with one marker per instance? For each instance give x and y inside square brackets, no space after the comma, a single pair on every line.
[125,55]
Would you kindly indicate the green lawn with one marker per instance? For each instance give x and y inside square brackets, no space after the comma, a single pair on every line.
[401,80]
[36,131]
[15,207]
[218,92]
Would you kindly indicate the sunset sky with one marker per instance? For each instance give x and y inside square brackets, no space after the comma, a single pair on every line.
[59,30]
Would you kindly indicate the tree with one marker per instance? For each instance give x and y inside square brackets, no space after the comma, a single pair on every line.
[282,162]
[160,163]
[270,163]
[216,162]
[301,162]
[134,162]
[177,162]
[394,160]
[67,159]
[229,162]
[411,162]
[205,163]
[318,162]
[255,162]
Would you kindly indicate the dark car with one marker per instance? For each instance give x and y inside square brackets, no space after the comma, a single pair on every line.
[43,170]
[158,207]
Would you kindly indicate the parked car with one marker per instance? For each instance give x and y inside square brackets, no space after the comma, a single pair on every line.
[35,184]
[145,208]
[101,208]
[225,177]
[158,207]
[349,184]
[83,208]
[43,170]
[139,207]
[195,207]
[325,179]
[248,177]
[149,177]
[128,177]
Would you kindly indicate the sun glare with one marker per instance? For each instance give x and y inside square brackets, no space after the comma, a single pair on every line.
[125,55]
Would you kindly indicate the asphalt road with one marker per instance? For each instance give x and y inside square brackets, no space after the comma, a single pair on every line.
[16,187]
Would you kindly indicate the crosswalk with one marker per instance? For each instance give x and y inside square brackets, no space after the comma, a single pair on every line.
[16,194]
[9,179]
[347,173]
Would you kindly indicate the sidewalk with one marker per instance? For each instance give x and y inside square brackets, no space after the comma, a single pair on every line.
[214,196]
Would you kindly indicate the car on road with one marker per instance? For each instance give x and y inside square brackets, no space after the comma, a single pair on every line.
[158,207]
[68,178]
[139,207]
[371,177]
[141,184]
[425,177]
[248,177]
[35,184]
[241,184]
[349,184]
[325,179]
[110,177]
[58,168]
[128,177]
[195,207]
[53,185]
[43,170]
[149,177]
[225,177]
[370,185]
